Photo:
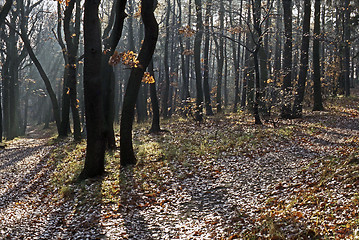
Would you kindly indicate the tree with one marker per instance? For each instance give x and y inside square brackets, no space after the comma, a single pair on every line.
[70,79]
[287,59]
[24,36]
[346,34]
[303,70]
[197,62]
[5,10]
[207,96]
[95,149]
[318,102]
[108,83]
[155,127]
[144,57]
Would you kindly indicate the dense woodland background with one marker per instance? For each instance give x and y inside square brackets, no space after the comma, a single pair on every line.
[252,106]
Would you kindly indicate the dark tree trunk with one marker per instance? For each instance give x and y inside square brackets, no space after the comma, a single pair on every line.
[206,88]
[72,42]
[278,44]
[186,83]
[346,34]
[5,10]
[220,59]
[149,44]
[303,70]
[257,45]
[108,75]
[166,65]
[287,59]
[95,150]
[318,102]
[236,60]
[197,62]
[155,127]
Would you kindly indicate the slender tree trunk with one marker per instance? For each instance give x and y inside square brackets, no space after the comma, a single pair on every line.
[206,88]
[220,59]
[303,70]
[166,65]
[257,45]
[197,62]
[236,60]
[287,59]
[155,127]
[5,10]
[346,30]
[149,44]
[318,102]
[108,75]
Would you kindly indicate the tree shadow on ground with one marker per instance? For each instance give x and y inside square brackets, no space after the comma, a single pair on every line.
[131,205]
[77,214]
[11,156]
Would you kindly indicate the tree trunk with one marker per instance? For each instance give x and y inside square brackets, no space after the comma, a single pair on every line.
[220,59]
[206,88]
[155,127]
[108,75]
[318,102]
[5,10]
[95,150]
[149,44]
[303,70]
[236,60]
[197,62]
[287,60]
[346,34]
[166,65]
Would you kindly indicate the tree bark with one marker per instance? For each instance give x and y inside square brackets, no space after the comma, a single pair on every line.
[347,43]
[5,10]
[149,44]
[155,127]
[166,65]
[197,62]
[304,57]
[206,88]
[95,150]
[287,59]
[318,102]
[108,74]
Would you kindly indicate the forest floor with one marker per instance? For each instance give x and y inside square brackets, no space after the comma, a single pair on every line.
[223,179]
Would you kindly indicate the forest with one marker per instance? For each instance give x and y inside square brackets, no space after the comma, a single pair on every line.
[170,119]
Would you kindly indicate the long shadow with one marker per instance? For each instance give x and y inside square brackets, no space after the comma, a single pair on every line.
[22,188]
[15,155]
[77,216]
[134,222]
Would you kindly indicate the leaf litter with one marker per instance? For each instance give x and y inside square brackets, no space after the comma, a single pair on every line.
[223,179]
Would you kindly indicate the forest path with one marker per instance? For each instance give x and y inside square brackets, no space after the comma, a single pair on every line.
[223,179]
[24,174]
